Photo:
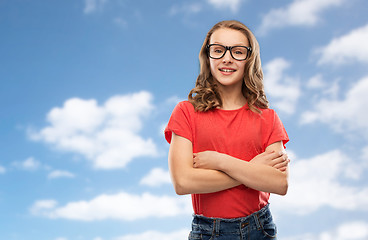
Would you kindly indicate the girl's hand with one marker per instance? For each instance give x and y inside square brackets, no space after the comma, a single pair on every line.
[278,160]
[207,159]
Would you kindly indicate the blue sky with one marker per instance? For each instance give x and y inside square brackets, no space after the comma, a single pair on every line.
[88,85]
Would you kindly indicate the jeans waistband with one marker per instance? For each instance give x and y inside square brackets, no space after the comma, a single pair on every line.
[232,225]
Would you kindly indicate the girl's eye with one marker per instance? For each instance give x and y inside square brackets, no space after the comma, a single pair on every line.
[219,51]
[238,52]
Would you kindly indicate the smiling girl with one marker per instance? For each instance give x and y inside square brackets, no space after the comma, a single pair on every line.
[226,145]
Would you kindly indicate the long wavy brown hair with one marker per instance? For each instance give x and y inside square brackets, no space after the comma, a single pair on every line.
[206,96]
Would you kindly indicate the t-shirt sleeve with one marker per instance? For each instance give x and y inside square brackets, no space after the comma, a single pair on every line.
[275,130]
[180,122]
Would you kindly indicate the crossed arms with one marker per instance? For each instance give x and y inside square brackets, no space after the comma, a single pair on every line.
[210,171]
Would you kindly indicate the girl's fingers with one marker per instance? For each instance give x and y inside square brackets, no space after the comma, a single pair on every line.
[270,156]
[279,154]
[279,159]
[282,164]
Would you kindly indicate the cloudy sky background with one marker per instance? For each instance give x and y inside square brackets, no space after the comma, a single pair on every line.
[87,87]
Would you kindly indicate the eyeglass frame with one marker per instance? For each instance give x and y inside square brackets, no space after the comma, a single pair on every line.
[249,51]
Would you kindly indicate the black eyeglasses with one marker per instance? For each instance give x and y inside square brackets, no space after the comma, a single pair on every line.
[217,51]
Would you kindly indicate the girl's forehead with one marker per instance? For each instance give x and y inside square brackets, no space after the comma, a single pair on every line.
[229,37]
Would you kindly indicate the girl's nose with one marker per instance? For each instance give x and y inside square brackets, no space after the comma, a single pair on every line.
[227,57]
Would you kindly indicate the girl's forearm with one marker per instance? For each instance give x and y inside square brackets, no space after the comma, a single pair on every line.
[203,181]
[257,176]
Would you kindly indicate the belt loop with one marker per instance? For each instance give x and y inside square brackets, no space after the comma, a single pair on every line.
[216,227]
[256,219]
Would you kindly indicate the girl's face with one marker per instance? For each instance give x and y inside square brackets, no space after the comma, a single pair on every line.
[226,70]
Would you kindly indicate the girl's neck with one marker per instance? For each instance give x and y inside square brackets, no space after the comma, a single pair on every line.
[232,99]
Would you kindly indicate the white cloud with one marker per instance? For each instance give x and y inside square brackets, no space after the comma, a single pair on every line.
[196,7]
[2,169]
[156,177]
[186,8]
[332,90]
[298,13]
[107,135]
[93,5]
[283,90]
[154,235]
[357,230]
[121,206]
[41,207]
[233,5]
[30,164]
[353,230]
[347,115]
[321,88]
[321,181]
[316,82]
[60,174]
[346,49]
[365,153]
[168,104]
[162,129]
[174,100]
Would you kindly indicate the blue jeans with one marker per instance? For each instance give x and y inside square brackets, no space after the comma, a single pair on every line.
[256,226]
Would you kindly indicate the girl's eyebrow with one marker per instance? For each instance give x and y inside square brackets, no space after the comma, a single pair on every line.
[239,44]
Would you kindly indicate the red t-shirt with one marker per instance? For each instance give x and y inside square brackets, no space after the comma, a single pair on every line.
[240,133]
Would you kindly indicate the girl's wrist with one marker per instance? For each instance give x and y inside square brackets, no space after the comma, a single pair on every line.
[222,160]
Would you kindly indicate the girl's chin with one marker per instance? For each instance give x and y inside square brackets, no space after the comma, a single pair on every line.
[226,83]
[224,80]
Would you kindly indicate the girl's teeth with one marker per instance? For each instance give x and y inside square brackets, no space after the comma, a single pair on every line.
[227,70]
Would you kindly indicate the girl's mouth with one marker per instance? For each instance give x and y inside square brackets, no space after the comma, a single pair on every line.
[226,70]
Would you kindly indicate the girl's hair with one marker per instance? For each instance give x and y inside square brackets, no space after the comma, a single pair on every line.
[206,96]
